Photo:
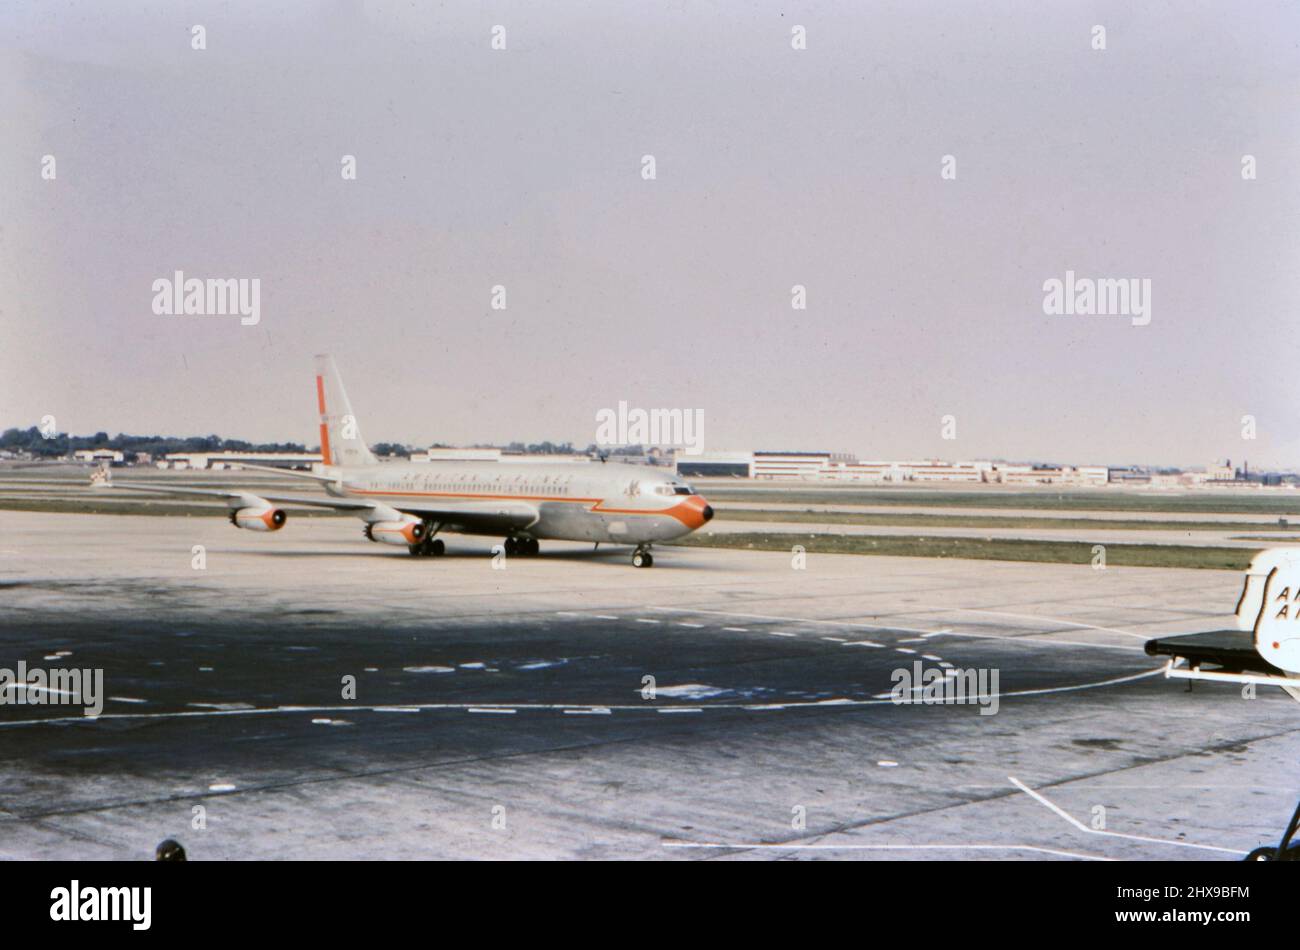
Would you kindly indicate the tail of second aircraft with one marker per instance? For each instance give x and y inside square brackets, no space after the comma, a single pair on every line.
[340,436]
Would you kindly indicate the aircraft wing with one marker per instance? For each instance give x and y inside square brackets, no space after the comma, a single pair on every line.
[291,472]
[477,516]
[320,501]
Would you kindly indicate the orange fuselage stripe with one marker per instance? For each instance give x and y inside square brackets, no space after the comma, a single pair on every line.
[681,511]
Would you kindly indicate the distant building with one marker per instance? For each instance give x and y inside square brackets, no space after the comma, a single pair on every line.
[716,465]
[1129,476]
[457,455]
[95,456]
[496,455]
[1031,474]
[798,465]
[220,460]
[531,458]
[828,466]
[1220,472]
[1077,475]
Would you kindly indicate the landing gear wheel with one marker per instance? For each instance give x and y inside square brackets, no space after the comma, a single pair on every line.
[512,546]
[642,559]
[1272,854]
[429,547]
[532,547]
[1288,849]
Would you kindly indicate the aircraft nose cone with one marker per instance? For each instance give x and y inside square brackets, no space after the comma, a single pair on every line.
[707,513]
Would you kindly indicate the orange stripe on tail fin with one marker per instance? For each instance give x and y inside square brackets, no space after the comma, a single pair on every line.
[325,445]
[324,427]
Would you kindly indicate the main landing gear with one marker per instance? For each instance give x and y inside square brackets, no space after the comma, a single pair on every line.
[641,557]
[429,547]
[523,546]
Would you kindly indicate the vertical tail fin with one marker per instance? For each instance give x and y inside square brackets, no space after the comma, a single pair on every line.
[340,436]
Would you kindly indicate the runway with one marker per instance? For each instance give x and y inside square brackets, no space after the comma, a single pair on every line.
[505,711]
[1235,538]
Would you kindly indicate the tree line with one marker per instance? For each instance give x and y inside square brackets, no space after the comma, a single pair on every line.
[56,446]
[32,441]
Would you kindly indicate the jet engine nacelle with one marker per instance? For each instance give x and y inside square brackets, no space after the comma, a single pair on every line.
[259,518]
[406,530]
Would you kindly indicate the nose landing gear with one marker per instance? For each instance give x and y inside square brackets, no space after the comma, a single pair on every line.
[641,557]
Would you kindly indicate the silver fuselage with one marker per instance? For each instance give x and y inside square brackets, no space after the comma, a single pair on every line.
[607,502]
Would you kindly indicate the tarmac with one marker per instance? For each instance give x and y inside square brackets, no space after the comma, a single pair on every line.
[724,704]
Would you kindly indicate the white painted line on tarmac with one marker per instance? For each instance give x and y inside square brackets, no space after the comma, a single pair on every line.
[492,710]
[644,620]
[945,632]
[1041,619]
[832,623]
[539,707]
[1042,800]
[1052,642]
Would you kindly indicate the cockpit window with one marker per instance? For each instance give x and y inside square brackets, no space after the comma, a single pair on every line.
[673,489]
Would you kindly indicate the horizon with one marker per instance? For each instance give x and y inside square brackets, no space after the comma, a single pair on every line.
[580,449]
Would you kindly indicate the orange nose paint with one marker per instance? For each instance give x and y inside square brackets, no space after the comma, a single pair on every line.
[693,511]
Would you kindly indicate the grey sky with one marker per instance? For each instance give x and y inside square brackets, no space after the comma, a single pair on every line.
[775,167]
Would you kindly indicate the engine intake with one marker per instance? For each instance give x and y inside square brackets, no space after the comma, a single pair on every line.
[407,531]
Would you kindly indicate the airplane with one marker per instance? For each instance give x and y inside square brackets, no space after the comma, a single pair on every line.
[1263,650]
[406,504]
